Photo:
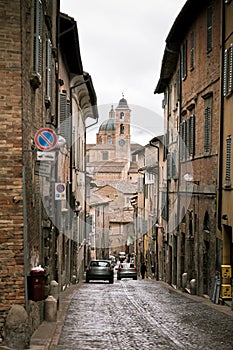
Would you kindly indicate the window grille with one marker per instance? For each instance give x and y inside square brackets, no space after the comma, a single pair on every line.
[225,73]
[228,160]
[231,69]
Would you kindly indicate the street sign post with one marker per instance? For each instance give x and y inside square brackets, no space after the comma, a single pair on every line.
[45,139]
[60,191]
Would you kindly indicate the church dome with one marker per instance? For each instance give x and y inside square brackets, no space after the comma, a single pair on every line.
[122,104]
[108,125]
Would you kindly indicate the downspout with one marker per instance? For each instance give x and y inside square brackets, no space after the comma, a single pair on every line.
[24,181]
[220,158]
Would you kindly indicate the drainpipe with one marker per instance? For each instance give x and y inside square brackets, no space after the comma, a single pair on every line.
[24,186]
[220,158]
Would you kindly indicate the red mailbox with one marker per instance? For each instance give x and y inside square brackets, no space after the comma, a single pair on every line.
[37,275]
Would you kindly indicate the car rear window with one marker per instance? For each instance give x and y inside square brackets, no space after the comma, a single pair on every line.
[100,263]
[127,266]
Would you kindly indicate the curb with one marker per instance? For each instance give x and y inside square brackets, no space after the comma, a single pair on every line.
[47,335]
[226,309]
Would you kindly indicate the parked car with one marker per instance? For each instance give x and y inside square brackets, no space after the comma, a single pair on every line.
[100,270]
[122,256]
[127,270]
[113,259]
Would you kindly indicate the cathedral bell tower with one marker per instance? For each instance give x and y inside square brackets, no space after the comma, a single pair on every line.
[122,114]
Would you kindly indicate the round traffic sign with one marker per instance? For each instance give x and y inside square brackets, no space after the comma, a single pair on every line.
[45,139]
[60,188]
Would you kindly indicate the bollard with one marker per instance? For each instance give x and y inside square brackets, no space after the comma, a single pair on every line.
[51,309]
[54,289]
[193,287]
[184,280]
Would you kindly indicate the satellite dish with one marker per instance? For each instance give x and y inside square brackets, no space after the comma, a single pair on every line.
[188,177]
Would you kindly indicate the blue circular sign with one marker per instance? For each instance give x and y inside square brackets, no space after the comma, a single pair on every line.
[45,139]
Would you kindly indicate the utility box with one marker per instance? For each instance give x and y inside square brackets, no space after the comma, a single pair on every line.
[37,284]
[226,291]
[226,271]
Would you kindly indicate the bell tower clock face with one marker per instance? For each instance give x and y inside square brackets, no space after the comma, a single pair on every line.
[121,142]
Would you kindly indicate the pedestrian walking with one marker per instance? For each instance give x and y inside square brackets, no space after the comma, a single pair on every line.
[143,270]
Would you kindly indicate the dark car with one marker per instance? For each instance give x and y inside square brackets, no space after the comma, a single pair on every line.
[127,270]
[100,270]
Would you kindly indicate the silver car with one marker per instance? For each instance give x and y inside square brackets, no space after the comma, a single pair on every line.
[100,270]
[127,270]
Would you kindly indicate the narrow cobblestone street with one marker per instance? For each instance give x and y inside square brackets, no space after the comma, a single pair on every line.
[142,314]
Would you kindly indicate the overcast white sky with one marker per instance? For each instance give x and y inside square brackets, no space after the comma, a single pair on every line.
[122,44]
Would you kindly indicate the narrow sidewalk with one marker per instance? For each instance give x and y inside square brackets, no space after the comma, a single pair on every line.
[47,335]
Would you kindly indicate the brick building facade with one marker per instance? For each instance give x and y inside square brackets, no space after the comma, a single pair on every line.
[43,85]
[190,80]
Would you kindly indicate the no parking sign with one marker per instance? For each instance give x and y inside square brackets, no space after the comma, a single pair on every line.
[45,139]
[60,191]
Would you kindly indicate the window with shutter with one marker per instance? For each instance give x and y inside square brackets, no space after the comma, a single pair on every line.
[68,125]
[37,45]
[192,50]
[185,140]
[181,141]
[225,73]
[207,129]
[188,138]
[231,69]
[105,156]
[164,205]
[48,68]
[65,119]
[183,60]
[192,136]
[228,160]
[174,165]
[168,166]
[209,34]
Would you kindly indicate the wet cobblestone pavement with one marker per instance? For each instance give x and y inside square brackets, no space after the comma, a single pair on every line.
[142,315]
